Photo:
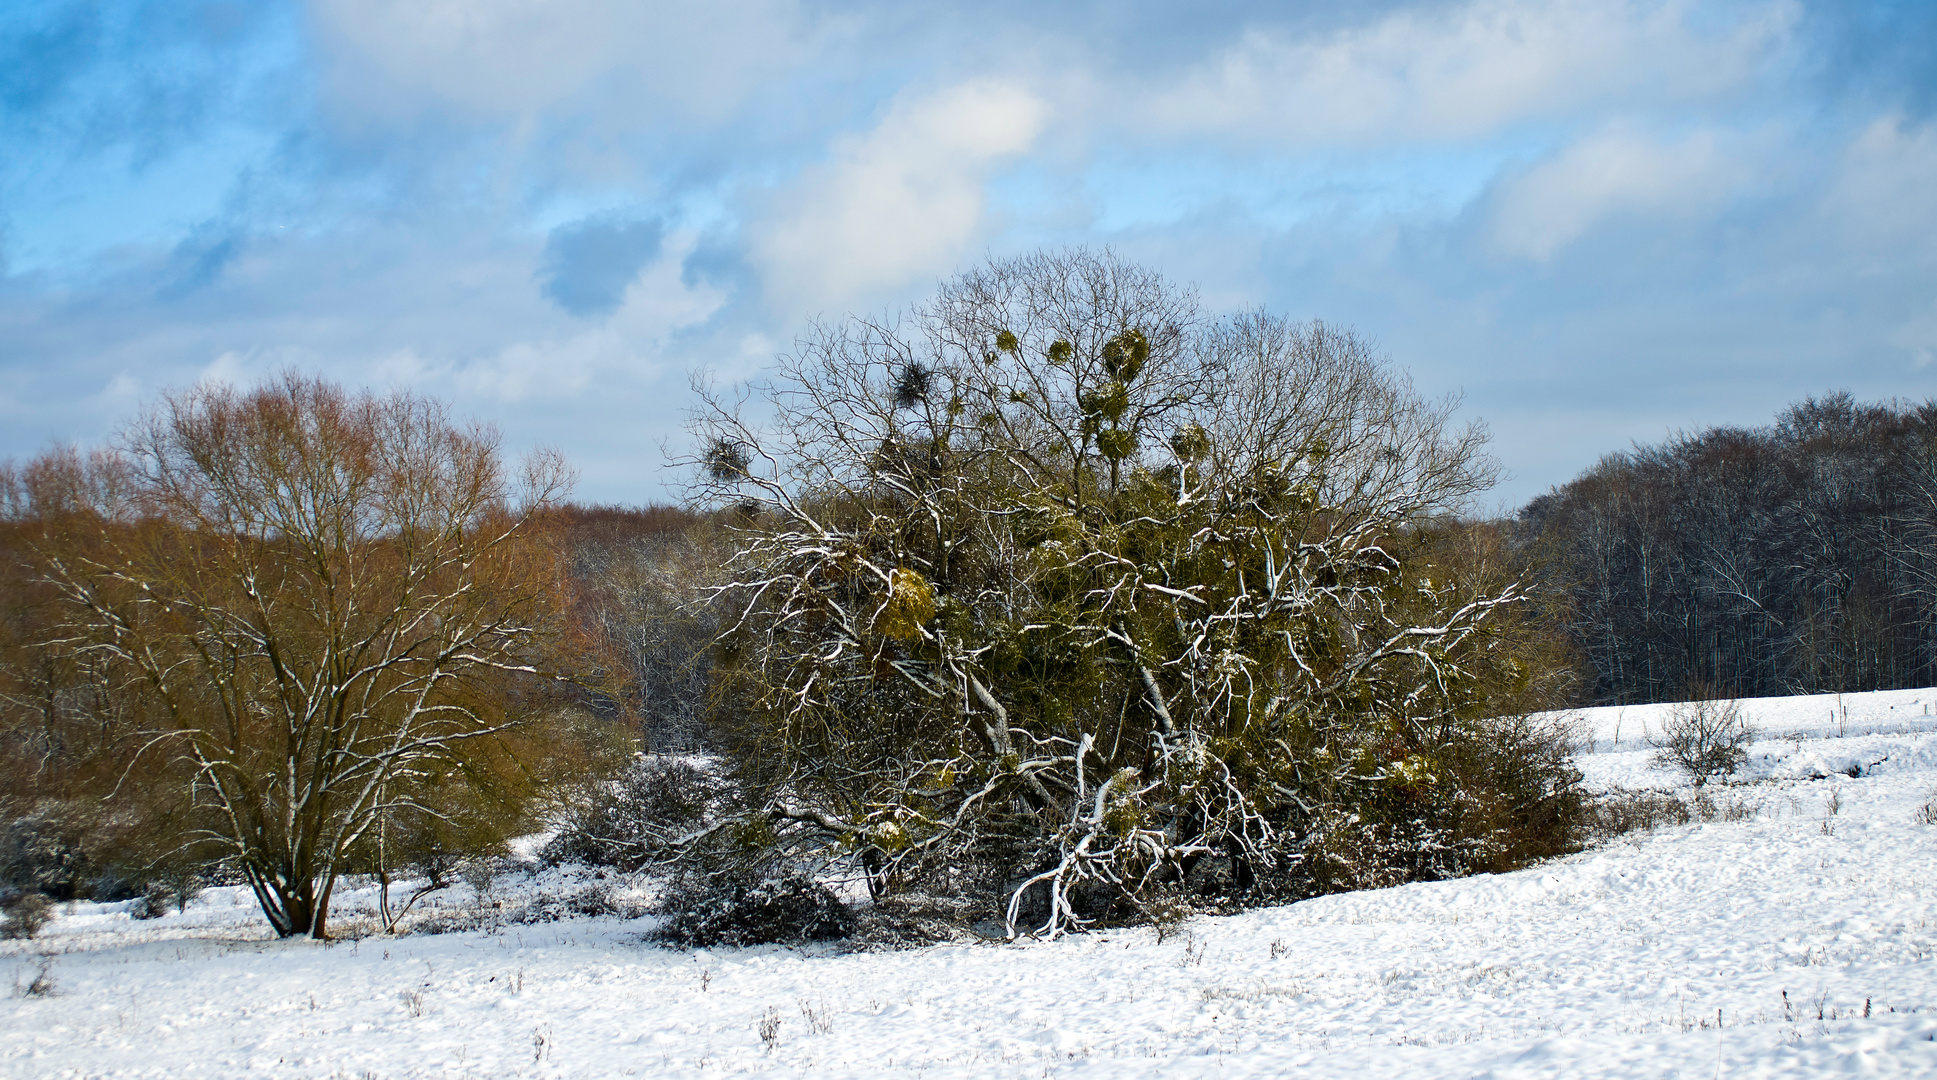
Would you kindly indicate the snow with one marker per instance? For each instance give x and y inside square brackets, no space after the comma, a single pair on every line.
[1816,716]
[1795,934]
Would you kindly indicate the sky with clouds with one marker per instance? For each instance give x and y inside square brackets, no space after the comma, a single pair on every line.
[1599,220]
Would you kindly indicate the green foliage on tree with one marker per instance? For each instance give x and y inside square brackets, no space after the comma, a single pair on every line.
[1116,598]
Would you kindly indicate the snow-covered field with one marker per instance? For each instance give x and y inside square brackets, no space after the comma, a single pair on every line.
[1793,935]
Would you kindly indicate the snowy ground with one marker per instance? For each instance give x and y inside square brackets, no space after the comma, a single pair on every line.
[1794,935]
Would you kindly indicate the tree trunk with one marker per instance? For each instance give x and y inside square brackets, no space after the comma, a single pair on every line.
[294,904]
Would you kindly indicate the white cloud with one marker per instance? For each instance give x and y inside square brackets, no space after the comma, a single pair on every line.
[902,201]
[1880,199]
[248,366]
[632,341]
[516,58]
[120,396]
[231,367]
[1611,174]
[1468,70]
[1918,339]
[1878,216]
[657,305]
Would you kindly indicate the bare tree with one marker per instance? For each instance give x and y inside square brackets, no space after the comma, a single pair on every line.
[1704,737]
[327,599]
[638,574]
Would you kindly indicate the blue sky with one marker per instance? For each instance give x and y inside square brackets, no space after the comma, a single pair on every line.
[1599,220]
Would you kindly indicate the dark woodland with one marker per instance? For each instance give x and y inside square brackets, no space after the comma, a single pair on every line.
[1799,557]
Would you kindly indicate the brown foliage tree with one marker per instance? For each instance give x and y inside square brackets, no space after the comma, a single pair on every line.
[326,607]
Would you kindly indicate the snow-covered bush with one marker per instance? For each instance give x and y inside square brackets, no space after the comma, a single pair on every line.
[147,906]
[705,910]
[46,852]
[1066,587]
[583,901]
[1618,813]
[915,917]
[1704,738]
[480,872]
[629,820]
[175,889]
[22,914]
[69,850]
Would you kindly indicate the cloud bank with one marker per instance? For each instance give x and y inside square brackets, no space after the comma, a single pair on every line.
[1599,219]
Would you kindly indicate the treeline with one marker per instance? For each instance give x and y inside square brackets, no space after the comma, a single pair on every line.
[1800,557]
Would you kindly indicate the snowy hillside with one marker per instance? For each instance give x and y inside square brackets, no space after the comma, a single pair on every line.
[1793,934]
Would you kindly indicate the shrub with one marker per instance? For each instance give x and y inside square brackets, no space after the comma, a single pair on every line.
[734,909]
[481,874]
[1704,738]
[153,903]
[1617,813]
[24,914]
[41,985]
[914,918]
[45,852]
[589,901]
[624,821]
[173,886]
[1063,566]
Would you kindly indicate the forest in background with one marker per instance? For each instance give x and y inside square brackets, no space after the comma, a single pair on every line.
[1796,557]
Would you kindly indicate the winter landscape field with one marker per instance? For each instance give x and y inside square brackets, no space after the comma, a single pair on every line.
[1791,933]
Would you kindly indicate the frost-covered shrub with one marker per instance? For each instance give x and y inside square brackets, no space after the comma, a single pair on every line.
[1704,738]
[22,914]
[591,901]
[45,852]
[148,906]
[456,921]
[68,849]
[914,918]
[734,909]
[623,822]
[1345,852]
[173,887]
[1065,577]
[1618,813]
[481,874]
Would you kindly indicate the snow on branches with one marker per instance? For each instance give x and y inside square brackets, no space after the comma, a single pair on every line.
[1064,581]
